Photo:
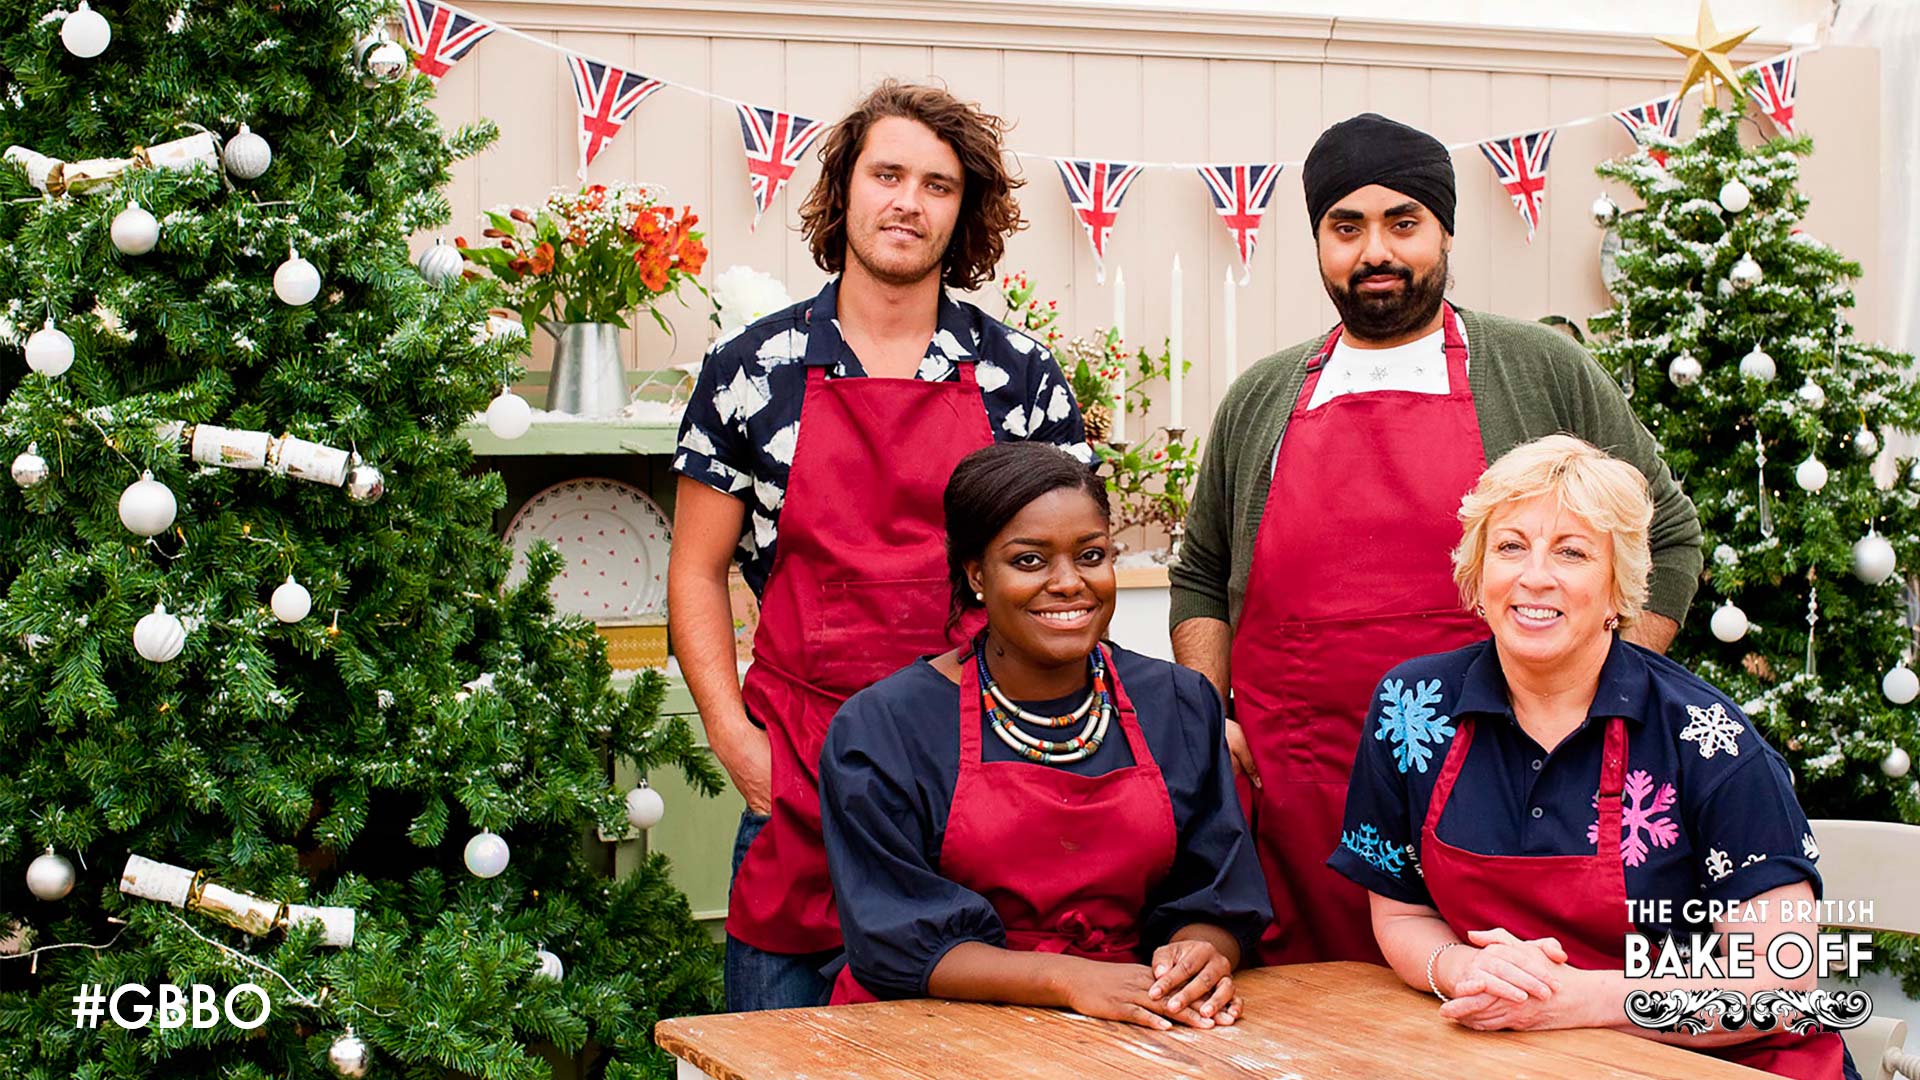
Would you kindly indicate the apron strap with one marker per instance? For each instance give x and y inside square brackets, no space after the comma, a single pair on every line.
[1613,772]
[1456,350]
[1449,772]
[970,712]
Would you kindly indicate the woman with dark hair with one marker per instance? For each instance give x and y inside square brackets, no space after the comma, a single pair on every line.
[1039,817]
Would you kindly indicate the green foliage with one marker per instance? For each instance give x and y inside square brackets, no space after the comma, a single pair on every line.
[338,760]
[1834,725]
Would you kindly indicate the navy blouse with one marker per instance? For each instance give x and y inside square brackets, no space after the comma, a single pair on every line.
[1708,809]
[887,775]
[743,420]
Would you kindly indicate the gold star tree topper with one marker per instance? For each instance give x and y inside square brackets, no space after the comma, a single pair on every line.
[1706,52]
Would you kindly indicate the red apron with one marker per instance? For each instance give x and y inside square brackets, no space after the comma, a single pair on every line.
[1066,860]
[1351,576]
[1579,899]
[858,589]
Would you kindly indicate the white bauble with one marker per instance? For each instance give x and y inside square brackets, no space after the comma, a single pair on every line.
[49,350]
[1812,395]
[291,601]
[1758,366]
[1604,211]
[1735,196]
[551,969]
[1685,370]
[365,484]
[1900,684]
[1865,442]
[50,877]
[147,507]
[247,155]
[1896,763]
[487,855]
[645,807]
[297,281]
[1874,560]
[29,469]
[86,33]
[440,264]
[509,416]
[158,636]
[1729,623]
[134,231]
[350,1056]
[1811,475]
[1745,273]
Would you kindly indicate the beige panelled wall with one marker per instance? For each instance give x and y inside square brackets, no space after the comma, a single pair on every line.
[1130,85]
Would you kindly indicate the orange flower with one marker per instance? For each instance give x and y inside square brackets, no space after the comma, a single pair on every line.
[520,215]
[653,268]
[693,256]
[578,237]
[596,195]
[460,241]
[542,261]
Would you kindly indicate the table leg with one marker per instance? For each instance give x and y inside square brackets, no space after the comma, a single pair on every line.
[687,1070]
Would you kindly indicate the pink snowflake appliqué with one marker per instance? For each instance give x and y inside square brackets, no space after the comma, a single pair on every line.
[1637,818]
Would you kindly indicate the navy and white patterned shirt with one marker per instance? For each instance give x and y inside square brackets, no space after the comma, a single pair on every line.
[741,427]
[1708,809]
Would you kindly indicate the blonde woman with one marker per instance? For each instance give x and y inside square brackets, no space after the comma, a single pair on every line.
[1510,798]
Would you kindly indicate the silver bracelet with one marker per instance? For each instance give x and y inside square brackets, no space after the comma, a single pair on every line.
[1432,957]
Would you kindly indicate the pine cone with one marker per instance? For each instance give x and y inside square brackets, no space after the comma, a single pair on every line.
[1099,421]
[1757,666]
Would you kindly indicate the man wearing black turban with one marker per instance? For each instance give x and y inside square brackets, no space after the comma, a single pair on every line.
[1316,554]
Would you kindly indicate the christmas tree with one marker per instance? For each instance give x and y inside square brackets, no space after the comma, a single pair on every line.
[1729,332]
[269,713]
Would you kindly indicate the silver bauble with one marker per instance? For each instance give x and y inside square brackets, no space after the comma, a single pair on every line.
[51,876]
[247,155]
[1874,560]
[1604,211]
[1812,396]
[1735,197]
[365,484]
[551,968]
[1745,273]
[29,469]
[350,1056]
[379,59]
[1865,442]
[1896,763]
[1685,370]
[1758,366]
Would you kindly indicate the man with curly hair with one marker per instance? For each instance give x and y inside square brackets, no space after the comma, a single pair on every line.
[815,451]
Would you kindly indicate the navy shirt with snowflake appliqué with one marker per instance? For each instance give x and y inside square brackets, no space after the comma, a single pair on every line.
[743,422]
[1708,809]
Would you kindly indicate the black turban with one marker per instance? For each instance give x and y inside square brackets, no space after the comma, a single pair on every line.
[1371,149]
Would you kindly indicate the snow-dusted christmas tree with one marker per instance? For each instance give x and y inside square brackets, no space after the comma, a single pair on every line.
[1729,330]
[336,713]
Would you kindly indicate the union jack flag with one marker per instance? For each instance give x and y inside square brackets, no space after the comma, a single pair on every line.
[1095,189]
[1662,116]
[439,35]
[775,142]
[1240,194]
[1776,83]
[607,96]
[1520,163]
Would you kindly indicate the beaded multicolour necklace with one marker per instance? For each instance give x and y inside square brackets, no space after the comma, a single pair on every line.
[996,706]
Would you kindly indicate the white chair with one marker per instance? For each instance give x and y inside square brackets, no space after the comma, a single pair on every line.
[1875,860]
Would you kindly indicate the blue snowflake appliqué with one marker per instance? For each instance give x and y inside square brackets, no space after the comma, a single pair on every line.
[1376,852]
[1408,721]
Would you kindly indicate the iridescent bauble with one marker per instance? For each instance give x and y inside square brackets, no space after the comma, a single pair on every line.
[486,855]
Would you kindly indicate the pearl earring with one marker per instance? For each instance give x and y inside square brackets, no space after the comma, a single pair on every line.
[1480,610]
[979,595]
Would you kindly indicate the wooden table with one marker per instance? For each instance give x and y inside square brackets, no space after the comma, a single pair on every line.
[1301,1022]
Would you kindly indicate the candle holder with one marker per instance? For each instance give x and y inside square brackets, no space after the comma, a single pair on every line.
[1119,445]
[1176,434]
[1176,533]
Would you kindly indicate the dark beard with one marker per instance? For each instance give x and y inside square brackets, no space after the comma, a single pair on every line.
[1397,314]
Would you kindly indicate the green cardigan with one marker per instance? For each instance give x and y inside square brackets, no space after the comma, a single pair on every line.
[1528,380]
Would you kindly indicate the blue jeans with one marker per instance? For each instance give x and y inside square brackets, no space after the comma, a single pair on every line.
[757,979]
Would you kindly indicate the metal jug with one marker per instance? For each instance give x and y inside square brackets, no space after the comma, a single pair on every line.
[588,377]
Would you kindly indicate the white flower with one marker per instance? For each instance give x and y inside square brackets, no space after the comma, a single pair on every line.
[744,294]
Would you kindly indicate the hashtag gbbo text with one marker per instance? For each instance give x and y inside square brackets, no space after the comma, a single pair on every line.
[132,1006]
